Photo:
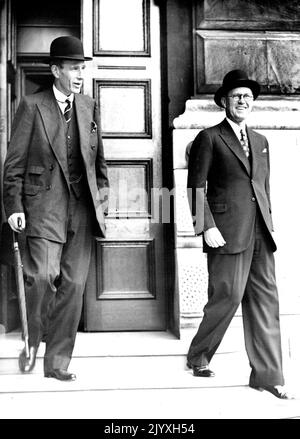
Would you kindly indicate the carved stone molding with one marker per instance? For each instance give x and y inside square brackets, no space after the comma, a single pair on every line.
[268,113]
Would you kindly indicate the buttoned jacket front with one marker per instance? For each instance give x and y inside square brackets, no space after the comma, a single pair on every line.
[235,188]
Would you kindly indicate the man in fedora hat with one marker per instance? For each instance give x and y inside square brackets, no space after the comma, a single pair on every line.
[230,162]
[55,190]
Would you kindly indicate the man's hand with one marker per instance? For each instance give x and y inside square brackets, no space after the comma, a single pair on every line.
[213,237]
[17,222]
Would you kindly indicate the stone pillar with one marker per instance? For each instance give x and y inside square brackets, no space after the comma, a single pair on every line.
[278,118]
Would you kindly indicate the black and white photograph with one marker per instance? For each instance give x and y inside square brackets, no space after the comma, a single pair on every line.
[149,163]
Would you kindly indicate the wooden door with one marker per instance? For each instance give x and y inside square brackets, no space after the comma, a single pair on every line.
[125,289]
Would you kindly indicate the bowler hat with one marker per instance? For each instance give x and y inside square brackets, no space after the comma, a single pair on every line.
[67,47]
[234,79]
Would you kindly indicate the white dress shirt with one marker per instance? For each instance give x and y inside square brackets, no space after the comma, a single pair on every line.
[237,128]
[61,98]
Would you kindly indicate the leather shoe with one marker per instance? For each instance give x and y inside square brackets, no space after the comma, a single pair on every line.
[60,374]
[277,391]
[26,365]
[200,371]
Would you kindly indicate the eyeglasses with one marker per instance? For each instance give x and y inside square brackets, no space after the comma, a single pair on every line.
[238,96]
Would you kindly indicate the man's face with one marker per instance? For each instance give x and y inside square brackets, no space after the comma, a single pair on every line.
[238,103]
[69,77]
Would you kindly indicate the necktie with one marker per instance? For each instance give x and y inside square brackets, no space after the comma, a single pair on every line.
[244,143]
[68,110]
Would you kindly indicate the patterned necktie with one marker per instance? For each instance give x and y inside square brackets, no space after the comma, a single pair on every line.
[68,110]
[244,143]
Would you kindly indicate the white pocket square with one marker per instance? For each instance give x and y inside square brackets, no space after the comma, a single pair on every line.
[265,150]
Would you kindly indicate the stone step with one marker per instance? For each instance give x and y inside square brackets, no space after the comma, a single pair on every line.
[142,372]
[119,360]
[151,406]
[136,376]
[126,360]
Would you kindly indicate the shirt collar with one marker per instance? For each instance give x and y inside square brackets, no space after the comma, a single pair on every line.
[61,97]
[237,128]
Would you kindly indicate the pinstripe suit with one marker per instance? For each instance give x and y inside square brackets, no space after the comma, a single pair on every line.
[59,220]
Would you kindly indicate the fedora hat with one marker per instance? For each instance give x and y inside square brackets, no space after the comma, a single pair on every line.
[67,47]
[234,79]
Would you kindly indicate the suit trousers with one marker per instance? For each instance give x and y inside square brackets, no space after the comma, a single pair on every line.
[247,278]
[55,275]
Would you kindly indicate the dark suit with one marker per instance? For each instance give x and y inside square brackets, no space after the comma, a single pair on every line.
[60,217]
[238,203]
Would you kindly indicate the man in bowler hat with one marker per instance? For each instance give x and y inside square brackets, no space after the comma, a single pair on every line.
[55,190]
[231,163]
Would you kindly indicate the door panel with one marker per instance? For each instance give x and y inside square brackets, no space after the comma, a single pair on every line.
[114,97]
[125,289]
[129,34]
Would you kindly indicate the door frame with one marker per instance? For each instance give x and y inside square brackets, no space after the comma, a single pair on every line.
[8,316]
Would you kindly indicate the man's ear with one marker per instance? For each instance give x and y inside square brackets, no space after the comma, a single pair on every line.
[223,101]
[55,71]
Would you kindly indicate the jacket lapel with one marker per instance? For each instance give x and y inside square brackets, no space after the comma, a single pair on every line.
[228,136]
[256,146]
[53,124]
[84,120]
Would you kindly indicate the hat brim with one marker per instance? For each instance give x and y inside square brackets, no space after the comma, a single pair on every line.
[222,91]
[47,59]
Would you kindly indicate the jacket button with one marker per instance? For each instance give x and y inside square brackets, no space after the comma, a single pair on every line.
[48,187]
[51,167]
[93,146]
[253,199]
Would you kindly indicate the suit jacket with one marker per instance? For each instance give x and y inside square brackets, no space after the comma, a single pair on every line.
[234,189]
[36,179]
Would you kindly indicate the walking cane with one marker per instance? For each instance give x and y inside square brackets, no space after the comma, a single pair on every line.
[21,289]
